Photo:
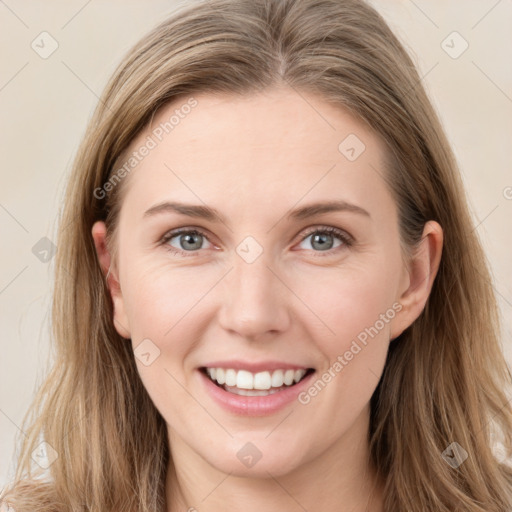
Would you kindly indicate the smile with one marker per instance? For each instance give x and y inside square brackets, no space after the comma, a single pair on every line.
[263,383]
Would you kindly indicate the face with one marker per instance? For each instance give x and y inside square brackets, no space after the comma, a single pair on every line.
[259,316]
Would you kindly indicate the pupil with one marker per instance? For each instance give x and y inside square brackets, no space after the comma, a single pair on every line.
[189,238]
[323,244]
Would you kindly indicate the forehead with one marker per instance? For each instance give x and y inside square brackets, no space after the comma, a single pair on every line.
[278,119]
[268,148]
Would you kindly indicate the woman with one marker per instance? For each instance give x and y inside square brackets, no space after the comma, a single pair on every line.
[269,294]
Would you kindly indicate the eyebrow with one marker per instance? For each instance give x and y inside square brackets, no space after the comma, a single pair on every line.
[213,215]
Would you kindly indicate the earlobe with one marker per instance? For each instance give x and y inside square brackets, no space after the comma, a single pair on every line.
[99,235]
[422,271]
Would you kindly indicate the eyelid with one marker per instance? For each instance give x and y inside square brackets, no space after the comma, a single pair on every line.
[346,239]
[183,230]
[340,233]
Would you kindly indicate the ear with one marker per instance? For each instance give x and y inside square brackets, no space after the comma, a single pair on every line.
[419,278]
[99,234]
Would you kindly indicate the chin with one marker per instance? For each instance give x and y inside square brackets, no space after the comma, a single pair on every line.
[257,459]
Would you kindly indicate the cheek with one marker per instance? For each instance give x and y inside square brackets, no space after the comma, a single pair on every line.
[350,300]
[165,304]
[357,303]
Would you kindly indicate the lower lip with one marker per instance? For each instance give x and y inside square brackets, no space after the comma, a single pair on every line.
[254,405]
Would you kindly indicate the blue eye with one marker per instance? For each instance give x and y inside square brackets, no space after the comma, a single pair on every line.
[186,242]
[324,239]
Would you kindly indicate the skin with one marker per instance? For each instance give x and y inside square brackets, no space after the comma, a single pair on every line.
[254,159]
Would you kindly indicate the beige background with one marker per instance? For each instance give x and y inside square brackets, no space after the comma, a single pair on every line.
[46,103]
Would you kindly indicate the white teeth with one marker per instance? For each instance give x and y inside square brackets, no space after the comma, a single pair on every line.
[277,379]
[288,377]
[262,380]
[230,378]
[220,376]
[298,375]
[266,382]
[244,380]
[252,392]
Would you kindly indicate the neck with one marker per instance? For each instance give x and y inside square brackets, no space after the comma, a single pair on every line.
[340,479]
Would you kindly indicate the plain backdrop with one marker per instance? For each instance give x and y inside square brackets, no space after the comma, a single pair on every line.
[46,101]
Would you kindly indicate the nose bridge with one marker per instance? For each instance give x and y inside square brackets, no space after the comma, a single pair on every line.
[254,299]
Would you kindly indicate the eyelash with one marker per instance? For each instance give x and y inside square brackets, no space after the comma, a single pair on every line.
[341,235]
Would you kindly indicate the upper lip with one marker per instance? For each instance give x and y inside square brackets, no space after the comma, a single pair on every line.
[255,367]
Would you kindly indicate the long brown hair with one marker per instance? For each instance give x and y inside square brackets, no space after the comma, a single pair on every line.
[445,376]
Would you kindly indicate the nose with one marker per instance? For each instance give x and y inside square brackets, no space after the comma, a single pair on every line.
[254,300]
